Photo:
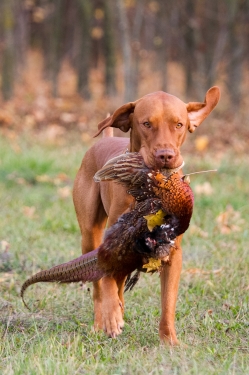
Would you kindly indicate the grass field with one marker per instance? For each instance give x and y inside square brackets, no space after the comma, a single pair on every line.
[39,224]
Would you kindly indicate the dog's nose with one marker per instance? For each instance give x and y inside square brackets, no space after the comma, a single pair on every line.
[165,158]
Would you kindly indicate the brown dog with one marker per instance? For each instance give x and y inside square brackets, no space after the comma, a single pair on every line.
[159,123]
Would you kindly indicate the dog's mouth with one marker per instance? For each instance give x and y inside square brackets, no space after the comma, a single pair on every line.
[168,171]
[163,163]
[162,169]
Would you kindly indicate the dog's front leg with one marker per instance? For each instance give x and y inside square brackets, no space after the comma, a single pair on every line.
[170,277]
[97,300]
[112,307]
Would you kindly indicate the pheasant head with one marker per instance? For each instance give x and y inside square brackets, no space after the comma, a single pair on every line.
[176,196]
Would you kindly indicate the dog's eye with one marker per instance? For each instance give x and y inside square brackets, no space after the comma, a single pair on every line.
[179,125]
[147,124]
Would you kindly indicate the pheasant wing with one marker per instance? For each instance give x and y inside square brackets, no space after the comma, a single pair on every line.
[123,168]
[129,170]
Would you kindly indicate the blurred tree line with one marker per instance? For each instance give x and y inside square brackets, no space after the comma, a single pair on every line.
[206,37]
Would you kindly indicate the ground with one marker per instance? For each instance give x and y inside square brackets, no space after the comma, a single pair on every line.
[38,229]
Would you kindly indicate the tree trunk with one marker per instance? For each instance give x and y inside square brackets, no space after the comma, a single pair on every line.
[164,40]
[22,33]
[126,49]
[56,43]
[109,50]
[189,47]
[8,49]
[84,57]
[136,31]
[236,52]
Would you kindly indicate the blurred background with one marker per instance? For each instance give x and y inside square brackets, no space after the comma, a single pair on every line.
[65,64]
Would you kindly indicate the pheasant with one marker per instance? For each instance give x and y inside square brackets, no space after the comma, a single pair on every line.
[162,211]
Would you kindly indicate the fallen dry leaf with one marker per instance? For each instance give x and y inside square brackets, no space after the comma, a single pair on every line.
[39,115]
[229,221]
[5,246]
[53,132]
[5,117]
[12,136]
[86,138]
[97,32]
[201,143]
[204,189]
[68,117]
[5,255]
[5,276]
[29,121]
[43,178]
[29,211]
[61,178]
[64,192]
[21,181]
[226,306]
[57,180]
[210,283]
[206,313]
[199,271]
[194,229]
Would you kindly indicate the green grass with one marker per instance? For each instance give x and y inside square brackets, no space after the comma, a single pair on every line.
[212,310]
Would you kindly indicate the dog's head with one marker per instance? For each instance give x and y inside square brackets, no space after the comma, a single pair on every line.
[159,123]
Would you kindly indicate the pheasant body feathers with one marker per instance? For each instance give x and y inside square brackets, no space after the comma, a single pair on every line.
[164,199]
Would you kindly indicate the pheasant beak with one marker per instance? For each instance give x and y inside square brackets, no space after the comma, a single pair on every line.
[186,179]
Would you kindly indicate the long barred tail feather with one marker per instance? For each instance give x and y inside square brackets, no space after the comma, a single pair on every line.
[83,268]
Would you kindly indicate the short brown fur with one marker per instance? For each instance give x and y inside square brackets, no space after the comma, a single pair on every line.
[158,123]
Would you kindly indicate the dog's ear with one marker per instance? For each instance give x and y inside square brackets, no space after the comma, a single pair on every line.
[120,119]
[197,112]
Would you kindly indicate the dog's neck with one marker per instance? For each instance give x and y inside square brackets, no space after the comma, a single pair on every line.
[134,145]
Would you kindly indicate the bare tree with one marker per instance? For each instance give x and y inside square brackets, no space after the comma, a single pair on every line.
[205,38]
[136,45]
[126,48]
[8,61]
[84,54]
[109,49]
[236,49]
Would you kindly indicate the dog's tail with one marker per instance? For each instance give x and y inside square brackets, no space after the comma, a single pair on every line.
[107,132]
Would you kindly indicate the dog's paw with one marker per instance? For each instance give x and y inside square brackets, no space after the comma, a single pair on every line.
[97,326]
[168,336]
[112,318]
[167,340]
